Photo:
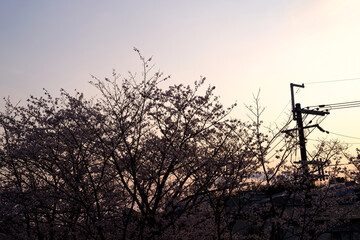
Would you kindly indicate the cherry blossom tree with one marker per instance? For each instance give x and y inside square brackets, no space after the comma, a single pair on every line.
[145,161]
[139,161]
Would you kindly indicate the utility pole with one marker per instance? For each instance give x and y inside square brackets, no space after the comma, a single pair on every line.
[302,140]
[297,116]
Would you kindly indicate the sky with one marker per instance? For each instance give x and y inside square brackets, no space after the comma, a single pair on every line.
[239,46]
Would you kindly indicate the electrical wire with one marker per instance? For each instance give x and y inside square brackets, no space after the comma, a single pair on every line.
[319,140]
[308,124]
[334,106]
[286,106]
[282,111]
[336,80]
[342,135]
[343,103]
[308,153]
[318,122]
[305,116]
[280,141]
[344,106]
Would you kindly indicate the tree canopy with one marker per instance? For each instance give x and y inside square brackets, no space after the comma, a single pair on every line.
[140,161]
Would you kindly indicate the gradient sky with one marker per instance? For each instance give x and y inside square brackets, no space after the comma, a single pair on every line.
[240,46]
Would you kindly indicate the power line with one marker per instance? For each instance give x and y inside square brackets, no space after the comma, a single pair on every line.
[342,135]
[336,80]
[337,134]
[283,110]
[318,122]
[280,141]
[286,106]
[345,107]
[335,106]
[340,105]
[319,140]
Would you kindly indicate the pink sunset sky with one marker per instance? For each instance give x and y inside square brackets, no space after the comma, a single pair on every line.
[240,46]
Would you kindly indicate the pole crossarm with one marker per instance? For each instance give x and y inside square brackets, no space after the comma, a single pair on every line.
[310,126]
[314,112]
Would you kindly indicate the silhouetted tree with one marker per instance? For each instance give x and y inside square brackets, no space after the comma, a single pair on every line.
[141,161]
[132,163]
